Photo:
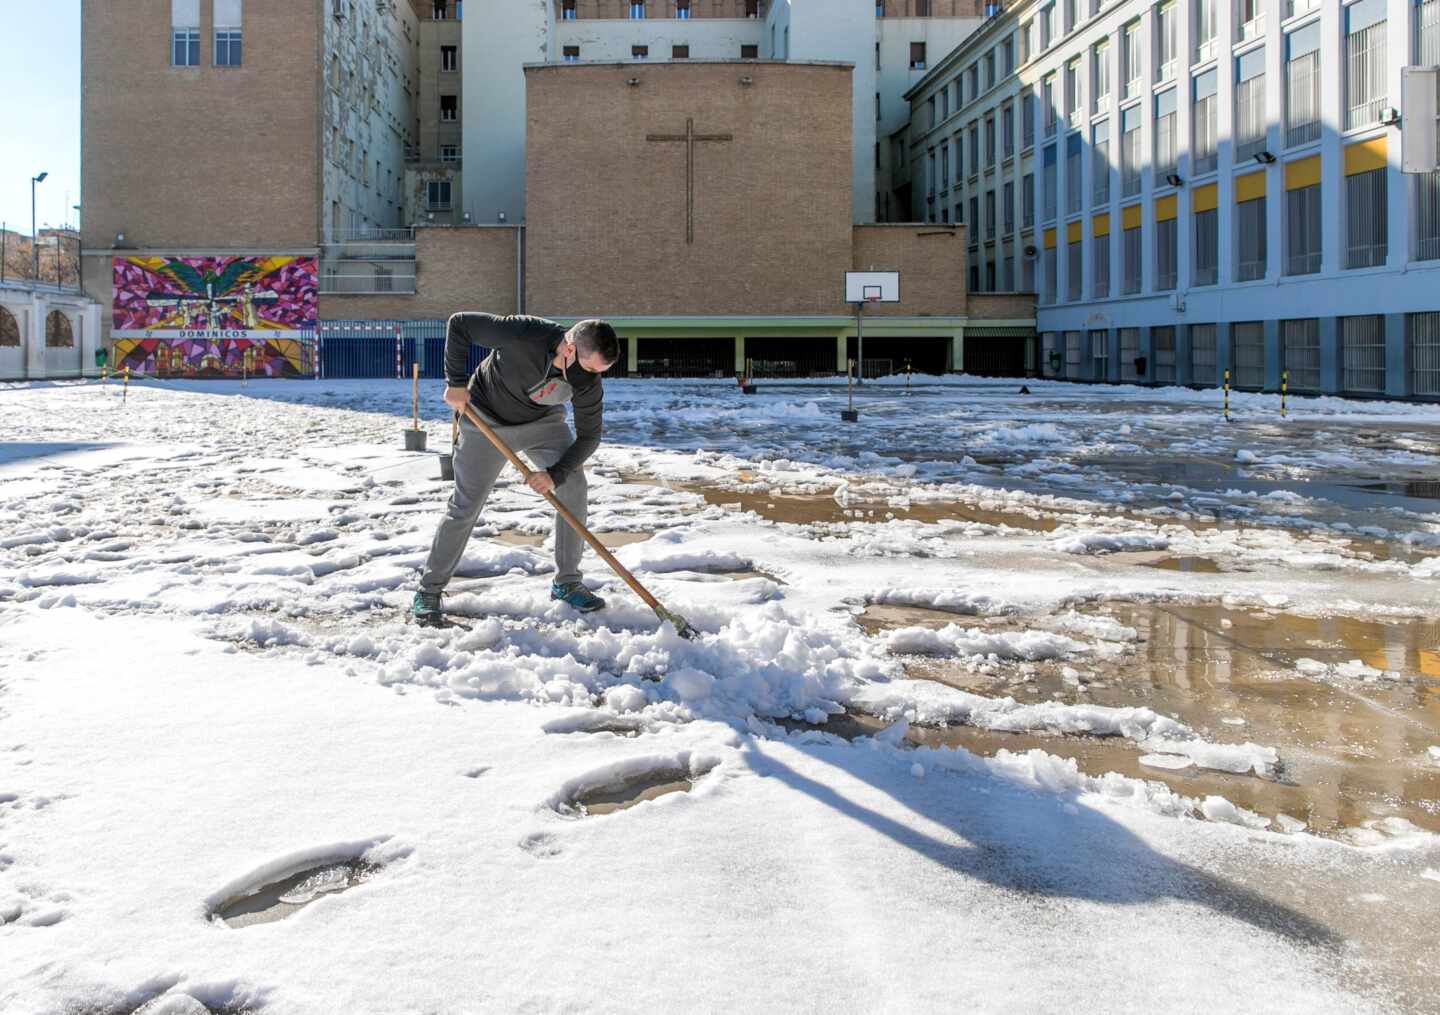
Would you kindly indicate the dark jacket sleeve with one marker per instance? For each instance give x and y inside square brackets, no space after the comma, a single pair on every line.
[485,330]
[589,409]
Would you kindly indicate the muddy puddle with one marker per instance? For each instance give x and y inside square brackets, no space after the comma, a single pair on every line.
[284,898]
[1354,742]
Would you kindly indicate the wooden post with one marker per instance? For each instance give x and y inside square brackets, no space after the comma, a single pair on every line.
[415,396]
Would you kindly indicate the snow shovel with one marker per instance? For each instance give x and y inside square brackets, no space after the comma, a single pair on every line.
[682,628]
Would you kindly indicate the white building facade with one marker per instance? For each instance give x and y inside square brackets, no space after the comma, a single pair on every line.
[1195,187]
[882,40]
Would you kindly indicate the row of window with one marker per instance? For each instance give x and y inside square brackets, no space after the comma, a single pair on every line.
[185,47]
[1361,365]
[571,54]
[639,9]
[1363,64]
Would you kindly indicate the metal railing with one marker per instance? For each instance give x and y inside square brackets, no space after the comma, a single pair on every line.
[1300,353]
[1362,352]
[1423,335]
[370,235]
[1365,72]
[1367,240]
[366,284]
[1249,117]
[1202,354]
[1129,350]
[1302,107]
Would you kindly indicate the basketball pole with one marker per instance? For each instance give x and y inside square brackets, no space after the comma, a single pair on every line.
[860,341]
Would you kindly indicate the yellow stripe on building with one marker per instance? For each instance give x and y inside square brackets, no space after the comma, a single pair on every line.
[1100,225]
[1249,187]
[1130,217]
[1206,198]
[1165,208]
[1365,156]
[1302,173]
[1050,239]
[1072,232]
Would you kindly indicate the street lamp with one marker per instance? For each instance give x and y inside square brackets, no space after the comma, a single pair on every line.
[34,236]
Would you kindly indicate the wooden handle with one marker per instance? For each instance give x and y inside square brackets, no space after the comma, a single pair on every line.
[564,512]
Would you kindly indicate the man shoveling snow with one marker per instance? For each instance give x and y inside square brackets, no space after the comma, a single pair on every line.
[520,389]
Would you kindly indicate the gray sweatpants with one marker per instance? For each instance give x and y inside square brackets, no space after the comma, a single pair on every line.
[477,464]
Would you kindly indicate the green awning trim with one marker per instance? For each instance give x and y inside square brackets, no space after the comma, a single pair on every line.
[999,332]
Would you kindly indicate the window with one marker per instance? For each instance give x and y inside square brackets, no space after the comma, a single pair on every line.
[571,54]
[1364,62]
[185,47]
[930,110]
[1074,145]
[1164,135]
[449,153]
[1027,120]
[1249,104]
[1048,270]
[990,70]
[1250,18]
[1366,241]
[680,52]
[989,214]
[1302,230]
[1300,353]
[682,10]
[1074,275]
[1207,247]
[449,58]
[639,52]
[974,222]
[1165,41]
[437,195]
[1427,217]
[1248,341]
[1422,340]
[1025,42]
[227,47]
[1047,99]
[974,149]
[1100,77]
[1162,347]
[1008,203]
[1302,85]
[959,156]
[751,52]
[1072,92]
[990,276]
[1007,56]
[1129,352]
[990,141]
[1130,151]
[1100,163]
[1130,59]
[1007,262]
[1427,32]
[1203,146]
[1204,30]
[1047,27]
[1362,354]
[1165,249]
[1027,200]
[1100,262]
[1203,360]
[974,79]
[1048,189]
[752,8]
[930,174]
[1027,274]
[567,10]
[1007,129]
[1068,24]
[449,107]
[917,56]
[1294,8]
[637,9]
[1250,252]
[944,166]
[1130,243]
[1099,355]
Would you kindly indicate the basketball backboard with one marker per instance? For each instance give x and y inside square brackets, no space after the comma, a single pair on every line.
[872,287]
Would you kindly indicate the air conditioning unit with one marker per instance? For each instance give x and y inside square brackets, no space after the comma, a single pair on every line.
[1389,116]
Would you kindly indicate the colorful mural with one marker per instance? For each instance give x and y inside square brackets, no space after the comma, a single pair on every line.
[215,316]
[216,357]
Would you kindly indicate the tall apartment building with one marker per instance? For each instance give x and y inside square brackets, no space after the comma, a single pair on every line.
[1195,186]
[889,42]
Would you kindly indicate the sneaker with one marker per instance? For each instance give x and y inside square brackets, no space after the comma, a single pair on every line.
[425,607]
[576,595]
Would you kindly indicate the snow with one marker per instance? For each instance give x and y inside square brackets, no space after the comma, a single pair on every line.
[206,688]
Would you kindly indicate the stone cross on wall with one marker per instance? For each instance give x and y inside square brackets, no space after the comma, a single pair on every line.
[689,138]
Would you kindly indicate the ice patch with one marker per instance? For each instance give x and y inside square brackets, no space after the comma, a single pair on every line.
[953,640]
[1217,808]
[945,600]
[1108,542]
[1173,762]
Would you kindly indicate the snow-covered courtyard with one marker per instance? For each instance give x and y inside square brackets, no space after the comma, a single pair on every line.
[1083,699]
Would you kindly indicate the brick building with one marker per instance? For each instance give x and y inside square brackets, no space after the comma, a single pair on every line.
[292,179]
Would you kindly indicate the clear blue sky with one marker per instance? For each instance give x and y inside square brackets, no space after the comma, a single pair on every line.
[40,124]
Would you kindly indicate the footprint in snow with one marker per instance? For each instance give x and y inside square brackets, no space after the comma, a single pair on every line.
[625,784]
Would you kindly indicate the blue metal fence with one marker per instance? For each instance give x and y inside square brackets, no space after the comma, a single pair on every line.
[380,349]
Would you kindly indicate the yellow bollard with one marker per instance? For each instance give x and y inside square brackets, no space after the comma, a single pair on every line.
[1284,390]
[105,374]
[1227,396]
